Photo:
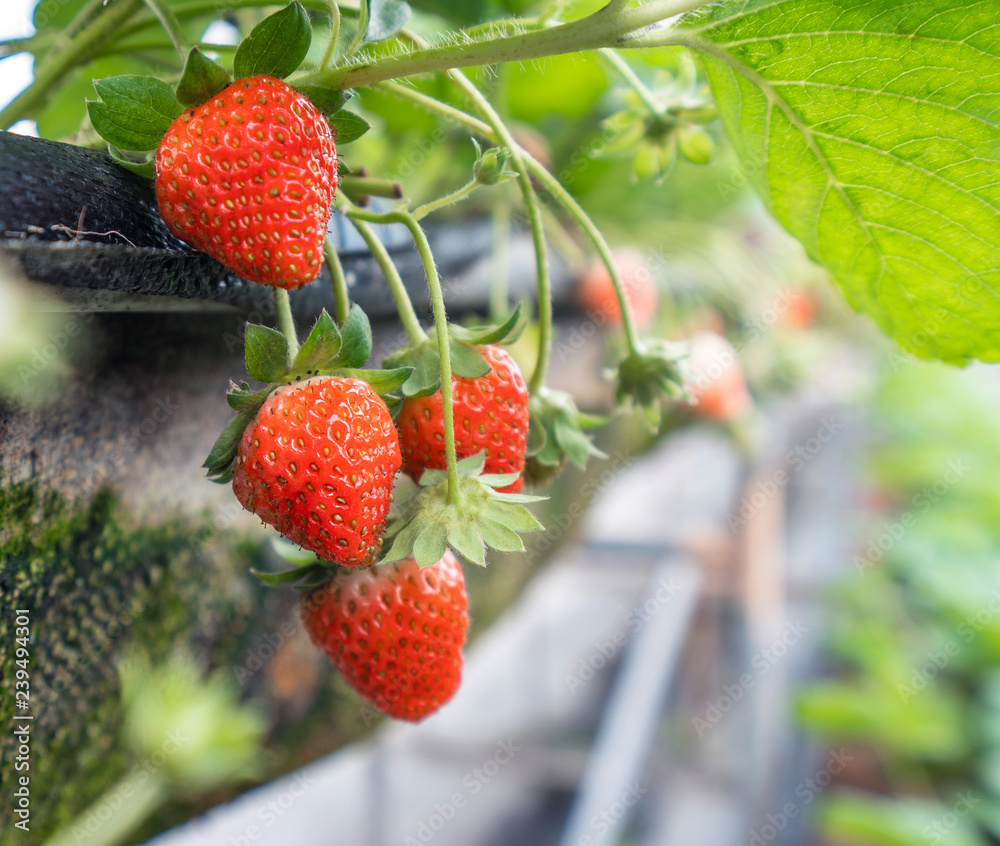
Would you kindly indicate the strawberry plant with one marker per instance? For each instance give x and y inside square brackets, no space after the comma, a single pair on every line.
[869,128]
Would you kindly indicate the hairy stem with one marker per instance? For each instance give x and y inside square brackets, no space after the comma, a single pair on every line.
[334,34]
[164,14]
[341,298]
[407,316]
[547,180]
[624,70]
[588,33]
[358,187]
[500,266]
[286,323]
[441,327]
[421,212]
[77,50]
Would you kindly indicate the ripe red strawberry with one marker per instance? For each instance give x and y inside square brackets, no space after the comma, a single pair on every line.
[395,632]
[248,178]
[317,463]
[491,415]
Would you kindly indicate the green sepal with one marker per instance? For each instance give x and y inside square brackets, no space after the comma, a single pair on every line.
[555,433]
[266,353]
[243,398]
[356,335]
[348,126]
[287,577]
[143,163]
[505,333]
[648,376]
[383,382]
[223,453]
[134,112]
[320,350]
[466,361]
[276,46]
[292,553]
[425,377]
[201,79]
[481,517]
[329,101]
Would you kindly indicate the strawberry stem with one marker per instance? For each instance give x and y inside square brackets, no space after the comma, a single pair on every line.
[609,26]
[440,325]
[422,211]
[68,54]
[286,323]
[341,297]
[164,14]
[547,180]
[334,33]
[517,159]
[407,316]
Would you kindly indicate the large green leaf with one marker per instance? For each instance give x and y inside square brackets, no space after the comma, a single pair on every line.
[870,128]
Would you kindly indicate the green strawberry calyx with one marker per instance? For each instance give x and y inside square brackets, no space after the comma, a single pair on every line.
[466,361]
[556,434]
[480,516]
[649,375]
[328,351]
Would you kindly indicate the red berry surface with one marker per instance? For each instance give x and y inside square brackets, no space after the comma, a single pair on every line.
[491,416]
[248,178]
[395,632]
[317,463]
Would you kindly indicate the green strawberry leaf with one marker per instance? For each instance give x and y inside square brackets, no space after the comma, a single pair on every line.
[868,127]
[143,163]
[348,126]
[466,361]
[201,80]
[134,112]
[385,18]
[287,577]
[266,353]
[506,333]
[276,46]
[648,376]
[320,350]
[328,100]
[223,453]
[243,398]
[356,334]
[382,381]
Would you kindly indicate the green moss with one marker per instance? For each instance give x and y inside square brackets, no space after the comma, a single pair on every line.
[92,582]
